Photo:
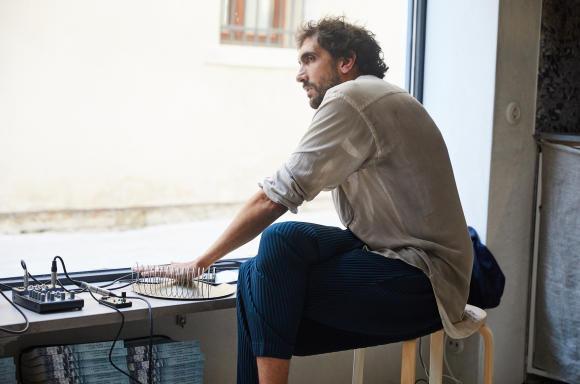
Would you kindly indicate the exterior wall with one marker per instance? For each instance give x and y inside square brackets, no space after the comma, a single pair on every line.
[108,105]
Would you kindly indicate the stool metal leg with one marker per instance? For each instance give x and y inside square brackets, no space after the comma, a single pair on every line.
[358,365]
[487,335]
[436,358]
[408,357]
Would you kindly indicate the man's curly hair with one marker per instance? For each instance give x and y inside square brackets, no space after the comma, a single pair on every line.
[342,39]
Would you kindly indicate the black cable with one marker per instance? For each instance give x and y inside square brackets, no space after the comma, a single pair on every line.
[78,283]
[33,278]
[116,339]
[116,280]
[65,288]
[123,286]
[75,282]
[75,290]
[110,306]
[150,316]
[17,331]
[80,290]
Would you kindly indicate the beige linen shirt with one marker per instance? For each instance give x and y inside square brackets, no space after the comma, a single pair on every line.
[392,184]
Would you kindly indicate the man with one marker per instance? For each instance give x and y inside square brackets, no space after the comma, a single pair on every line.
[400,270]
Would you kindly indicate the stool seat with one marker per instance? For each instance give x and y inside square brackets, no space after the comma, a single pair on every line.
[473,320]
[474,314]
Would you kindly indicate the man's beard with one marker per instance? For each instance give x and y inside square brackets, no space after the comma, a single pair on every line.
[321,90]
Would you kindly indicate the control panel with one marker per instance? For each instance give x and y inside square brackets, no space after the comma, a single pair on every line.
[41,298]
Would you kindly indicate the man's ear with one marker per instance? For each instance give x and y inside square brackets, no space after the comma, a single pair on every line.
[347,65]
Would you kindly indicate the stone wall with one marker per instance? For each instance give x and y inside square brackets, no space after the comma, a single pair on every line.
[558,104]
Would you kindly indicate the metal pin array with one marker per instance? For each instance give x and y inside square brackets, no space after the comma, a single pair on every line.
[171,282]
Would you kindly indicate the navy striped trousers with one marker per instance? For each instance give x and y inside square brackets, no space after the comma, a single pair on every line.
[314,289]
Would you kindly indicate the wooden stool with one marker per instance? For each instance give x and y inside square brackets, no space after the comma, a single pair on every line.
[409,353]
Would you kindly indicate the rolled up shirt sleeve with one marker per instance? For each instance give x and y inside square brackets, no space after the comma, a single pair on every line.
[338,142]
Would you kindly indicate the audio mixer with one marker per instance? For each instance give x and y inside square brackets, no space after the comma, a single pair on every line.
[41,298]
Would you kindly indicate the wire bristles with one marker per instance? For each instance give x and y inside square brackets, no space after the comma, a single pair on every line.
[174,282]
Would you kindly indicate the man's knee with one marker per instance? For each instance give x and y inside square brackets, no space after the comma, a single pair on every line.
[291,240]
[290,231]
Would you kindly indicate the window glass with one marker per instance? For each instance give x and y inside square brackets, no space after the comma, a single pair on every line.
[132,131]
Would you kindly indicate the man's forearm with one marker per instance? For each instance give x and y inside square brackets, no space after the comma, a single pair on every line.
[256,214]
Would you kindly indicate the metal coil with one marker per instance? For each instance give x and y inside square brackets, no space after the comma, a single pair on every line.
[178,283]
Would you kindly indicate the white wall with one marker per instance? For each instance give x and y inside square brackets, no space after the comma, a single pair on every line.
[127,104]
[511,205]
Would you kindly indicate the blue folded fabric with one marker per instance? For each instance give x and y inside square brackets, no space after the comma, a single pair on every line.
[487,278]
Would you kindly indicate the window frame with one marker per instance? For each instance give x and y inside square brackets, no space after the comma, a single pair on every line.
[235,32]
[416,26]
[94,276]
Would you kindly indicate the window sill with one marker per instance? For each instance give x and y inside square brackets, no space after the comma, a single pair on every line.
[95,314]
[252,56]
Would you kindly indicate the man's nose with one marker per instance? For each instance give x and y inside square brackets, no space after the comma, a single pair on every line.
[301,75]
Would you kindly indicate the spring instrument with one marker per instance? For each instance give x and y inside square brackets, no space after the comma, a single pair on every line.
[177,283]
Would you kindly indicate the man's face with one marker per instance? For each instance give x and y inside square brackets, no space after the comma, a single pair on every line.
[318,71]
